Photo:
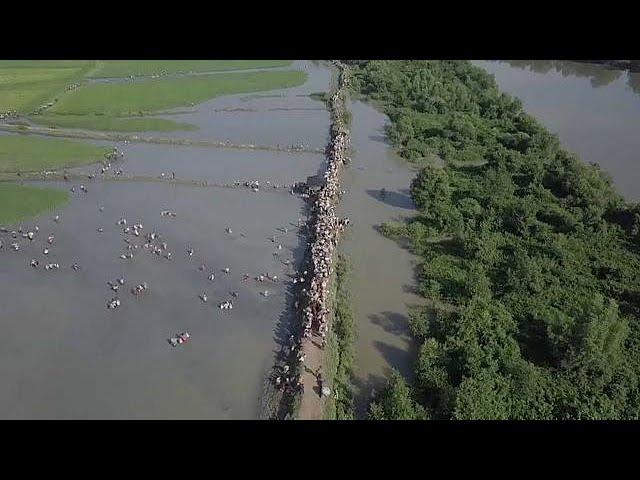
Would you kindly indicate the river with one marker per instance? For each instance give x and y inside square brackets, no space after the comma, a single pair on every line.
[594,110]
[382,276]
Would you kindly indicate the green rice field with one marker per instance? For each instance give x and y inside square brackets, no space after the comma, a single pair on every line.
[114,124]
[124,99]
[19,202]
[125,68]
[26,84]
[22,153]
[120,106]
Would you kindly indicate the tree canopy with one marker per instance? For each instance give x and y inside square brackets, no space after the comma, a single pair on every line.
[529,257]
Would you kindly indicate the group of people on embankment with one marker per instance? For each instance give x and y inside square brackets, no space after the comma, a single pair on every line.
[325,226]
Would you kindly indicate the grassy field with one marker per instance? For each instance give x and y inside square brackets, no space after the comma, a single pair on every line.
[124,99]
[46,64]
[124,68]
[20,153]
[26,84]
[114,124]
[18,202]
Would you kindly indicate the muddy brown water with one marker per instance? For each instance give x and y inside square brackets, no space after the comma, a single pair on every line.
[218,165]
[68,356]
[284,117]
[382,276]
[278,117]
[594,110]
[65,355]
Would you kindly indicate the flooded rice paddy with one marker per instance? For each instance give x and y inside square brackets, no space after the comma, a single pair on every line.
[70,357]
[280,117]
[216,165]
[65,355]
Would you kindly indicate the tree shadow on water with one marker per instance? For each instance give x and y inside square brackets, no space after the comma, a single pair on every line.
[379,138]
[396,358]
[363,391]
[365,388]
[392,322]
[397,199]
[411,289]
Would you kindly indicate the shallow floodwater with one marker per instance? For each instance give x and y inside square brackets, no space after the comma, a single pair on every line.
[594,110]
[382,271]
[216,165]
[65,355]
[278,117]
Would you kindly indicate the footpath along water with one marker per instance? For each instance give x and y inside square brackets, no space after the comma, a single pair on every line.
[382,275]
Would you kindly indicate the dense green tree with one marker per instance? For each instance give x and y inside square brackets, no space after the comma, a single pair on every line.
[395,402]
[530,258]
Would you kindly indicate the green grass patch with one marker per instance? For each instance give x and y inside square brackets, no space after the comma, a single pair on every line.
[26,84]
[20,153]
[39,64]
[125,68]
[341,348]
[125,99]
[18,76]
[18,202]
[114,124]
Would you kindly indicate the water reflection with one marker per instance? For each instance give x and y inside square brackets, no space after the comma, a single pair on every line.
[593,110]
[598,75]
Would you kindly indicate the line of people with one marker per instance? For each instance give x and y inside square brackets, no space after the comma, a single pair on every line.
[327,226]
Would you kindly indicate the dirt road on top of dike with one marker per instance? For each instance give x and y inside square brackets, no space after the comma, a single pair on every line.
[303,395]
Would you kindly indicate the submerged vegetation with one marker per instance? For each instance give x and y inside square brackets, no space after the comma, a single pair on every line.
[530,258]
[21,153]
[19,202]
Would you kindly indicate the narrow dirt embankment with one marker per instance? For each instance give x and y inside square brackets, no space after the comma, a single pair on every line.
[299,379]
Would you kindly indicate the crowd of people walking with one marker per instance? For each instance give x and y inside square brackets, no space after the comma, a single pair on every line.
[325,228]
